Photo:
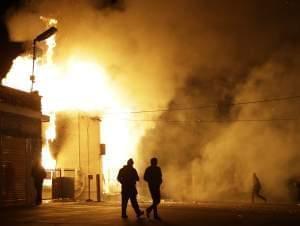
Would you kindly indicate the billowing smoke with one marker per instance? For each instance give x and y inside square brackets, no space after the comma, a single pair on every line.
[186,54]
[8,48]
[63,130]
[210,153]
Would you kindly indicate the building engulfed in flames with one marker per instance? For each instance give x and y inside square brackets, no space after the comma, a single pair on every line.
[77,172]
[74,93]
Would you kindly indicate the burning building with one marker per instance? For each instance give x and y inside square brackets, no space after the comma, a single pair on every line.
[76,170]
[78,157]
[20,145]
[75,91]
[212,55]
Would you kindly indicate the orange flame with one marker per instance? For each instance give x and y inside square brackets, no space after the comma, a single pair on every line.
[82,86]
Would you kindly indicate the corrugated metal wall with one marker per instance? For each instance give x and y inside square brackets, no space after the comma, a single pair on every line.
[14,171]
[20,145]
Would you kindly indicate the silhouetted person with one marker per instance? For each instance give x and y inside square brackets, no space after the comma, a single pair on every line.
[38,174]
[128,177]
[153,176]
[256,189]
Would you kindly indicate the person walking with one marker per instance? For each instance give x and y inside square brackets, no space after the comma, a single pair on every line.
[128,177]
[256,189]
[38,174]
[153,176]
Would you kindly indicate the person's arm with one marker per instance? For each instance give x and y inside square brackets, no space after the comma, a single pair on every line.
[258,183]
[146,175]
[120,176]
[136,176]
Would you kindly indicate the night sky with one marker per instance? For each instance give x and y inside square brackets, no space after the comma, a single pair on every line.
[189,54]
[244,20]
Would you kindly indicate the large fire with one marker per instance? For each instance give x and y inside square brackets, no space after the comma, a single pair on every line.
[77,85]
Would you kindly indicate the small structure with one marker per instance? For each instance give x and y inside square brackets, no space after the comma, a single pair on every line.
[20,145]
[77,150]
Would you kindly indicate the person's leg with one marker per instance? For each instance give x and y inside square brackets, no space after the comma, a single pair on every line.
[135,205]
[253,197]
[155,204]
[39,197]
[38,188]
[125,198]
[155,193]
[149,209]
[262,197]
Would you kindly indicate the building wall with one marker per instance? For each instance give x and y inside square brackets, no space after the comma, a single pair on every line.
[20,145]
[77,147]
[16,155]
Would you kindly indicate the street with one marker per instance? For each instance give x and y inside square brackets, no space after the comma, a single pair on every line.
[172,214]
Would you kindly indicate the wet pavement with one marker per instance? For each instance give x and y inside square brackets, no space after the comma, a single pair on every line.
[172,214]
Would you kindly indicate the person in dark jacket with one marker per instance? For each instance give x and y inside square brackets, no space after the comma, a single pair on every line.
[38,174]
[256,189]
[153,176]
[128,177]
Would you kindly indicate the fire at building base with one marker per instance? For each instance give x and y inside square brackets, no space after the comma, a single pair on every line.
[77,171]
[77,174]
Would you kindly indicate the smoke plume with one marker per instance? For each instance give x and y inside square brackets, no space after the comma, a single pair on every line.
[186,54]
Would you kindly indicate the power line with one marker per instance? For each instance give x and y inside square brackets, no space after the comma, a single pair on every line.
[275,99]
[211,121]
[267,100]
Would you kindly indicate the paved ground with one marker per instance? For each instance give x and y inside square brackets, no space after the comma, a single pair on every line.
[90,214]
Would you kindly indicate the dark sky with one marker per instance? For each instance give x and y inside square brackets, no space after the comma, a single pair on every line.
[266,16]
[210,52]
[8,49]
